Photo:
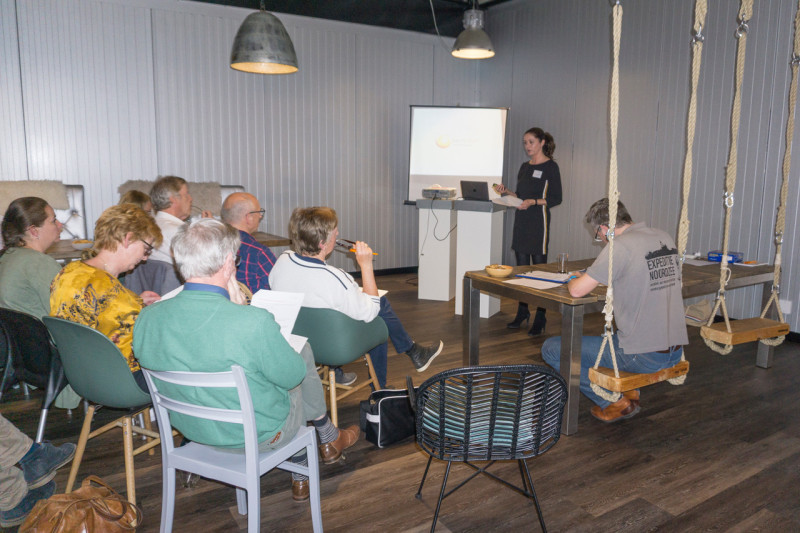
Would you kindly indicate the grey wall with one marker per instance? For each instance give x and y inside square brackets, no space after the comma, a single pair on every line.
[552,69]
[97,92]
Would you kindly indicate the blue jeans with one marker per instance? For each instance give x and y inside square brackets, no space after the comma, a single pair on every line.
[643,363]
[400,339]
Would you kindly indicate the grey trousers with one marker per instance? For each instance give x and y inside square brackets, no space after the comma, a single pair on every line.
[13,446]
[307,403]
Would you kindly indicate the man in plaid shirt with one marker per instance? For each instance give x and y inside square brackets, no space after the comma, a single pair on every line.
[243,211]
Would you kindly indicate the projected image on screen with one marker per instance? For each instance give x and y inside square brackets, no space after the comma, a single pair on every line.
[451,144]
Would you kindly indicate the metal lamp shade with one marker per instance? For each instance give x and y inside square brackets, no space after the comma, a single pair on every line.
[262,46]
[473,42]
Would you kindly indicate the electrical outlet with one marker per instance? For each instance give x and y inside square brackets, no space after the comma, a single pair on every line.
[786,306]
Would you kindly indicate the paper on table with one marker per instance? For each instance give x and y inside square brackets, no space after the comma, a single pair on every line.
[509,201]
[751,264]
[533,283]
[284,306]
[542,275]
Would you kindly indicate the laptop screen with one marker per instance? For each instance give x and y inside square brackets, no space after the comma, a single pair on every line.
[475,190]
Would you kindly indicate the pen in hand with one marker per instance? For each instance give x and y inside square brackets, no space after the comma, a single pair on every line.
[348,245]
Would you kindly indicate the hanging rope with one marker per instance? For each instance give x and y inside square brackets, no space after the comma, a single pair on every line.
[700,11]
[780,221]
[613,198]
[745,14]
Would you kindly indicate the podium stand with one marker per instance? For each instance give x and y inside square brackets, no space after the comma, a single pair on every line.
[480,243]
[437,250]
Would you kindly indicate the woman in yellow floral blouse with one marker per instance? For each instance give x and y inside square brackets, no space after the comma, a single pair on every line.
[88,291]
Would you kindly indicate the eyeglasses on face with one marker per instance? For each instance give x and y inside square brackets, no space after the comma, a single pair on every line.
[238,261]
[148,248]
[261,212]
[597,235]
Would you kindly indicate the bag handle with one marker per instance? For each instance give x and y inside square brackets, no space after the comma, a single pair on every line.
[412,393]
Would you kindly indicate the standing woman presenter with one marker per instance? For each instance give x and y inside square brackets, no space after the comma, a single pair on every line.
[539,188]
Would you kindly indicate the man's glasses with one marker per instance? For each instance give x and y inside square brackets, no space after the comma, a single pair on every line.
[148,248]
[238,260]
[261,212]
[597,235]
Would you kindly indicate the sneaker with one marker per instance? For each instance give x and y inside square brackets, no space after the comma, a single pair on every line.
[423,356]
[14,517]
[344,378]
[42,464]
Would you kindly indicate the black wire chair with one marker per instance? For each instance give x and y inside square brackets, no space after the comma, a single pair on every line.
[489,413]
[31,357]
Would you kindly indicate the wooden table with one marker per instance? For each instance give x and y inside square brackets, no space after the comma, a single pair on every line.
[63,250]
[697,281]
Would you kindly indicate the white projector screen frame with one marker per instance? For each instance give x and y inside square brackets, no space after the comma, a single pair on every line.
[450,144]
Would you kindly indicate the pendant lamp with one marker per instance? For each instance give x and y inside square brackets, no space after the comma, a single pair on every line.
[263,46]
[473,42]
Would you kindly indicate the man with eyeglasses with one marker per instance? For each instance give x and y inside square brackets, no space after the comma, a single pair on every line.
[243,211]
[648,306]
[172,204]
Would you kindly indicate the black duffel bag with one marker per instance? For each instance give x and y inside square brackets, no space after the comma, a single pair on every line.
[387,417]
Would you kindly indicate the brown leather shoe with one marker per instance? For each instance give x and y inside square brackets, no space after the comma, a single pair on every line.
[619,410]
[632,395]
[331,452]
[300,490]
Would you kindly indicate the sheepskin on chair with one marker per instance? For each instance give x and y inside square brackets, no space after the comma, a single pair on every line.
[205,196]
[52,192]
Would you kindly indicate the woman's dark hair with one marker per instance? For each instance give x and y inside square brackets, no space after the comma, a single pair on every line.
[21,214]
[549,146]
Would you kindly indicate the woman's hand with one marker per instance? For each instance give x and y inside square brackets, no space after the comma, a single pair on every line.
[364,259]
[150,297]
[501,189]
[526,204]
[363,255]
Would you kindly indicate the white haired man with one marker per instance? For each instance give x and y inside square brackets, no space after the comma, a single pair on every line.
[202,330]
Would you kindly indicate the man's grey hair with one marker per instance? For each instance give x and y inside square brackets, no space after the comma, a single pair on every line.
[235,213]
[201,247]
[163,190]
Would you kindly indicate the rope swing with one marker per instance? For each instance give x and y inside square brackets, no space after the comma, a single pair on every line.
[613,198]
[676,375]
[768,331]
[780,221]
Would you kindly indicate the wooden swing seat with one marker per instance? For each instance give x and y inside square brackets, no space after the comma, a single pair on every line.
[626,381]
[743,331]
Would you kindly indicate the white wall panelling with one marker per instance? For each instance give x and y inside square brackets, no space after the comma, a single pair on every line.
[12,127]
[88,95]
[100,91]
[545,44]
[122,89]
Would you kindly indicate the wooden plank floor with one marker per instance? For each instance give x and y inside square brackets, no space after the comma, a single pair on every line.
[721,452]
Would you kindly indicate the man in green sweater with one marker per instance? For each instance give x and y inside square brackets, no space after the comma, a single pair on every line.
[202,330]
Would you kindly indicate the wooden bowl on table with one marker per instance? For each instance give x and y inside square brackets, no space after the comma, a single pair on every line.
[81,244]
[499,271]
